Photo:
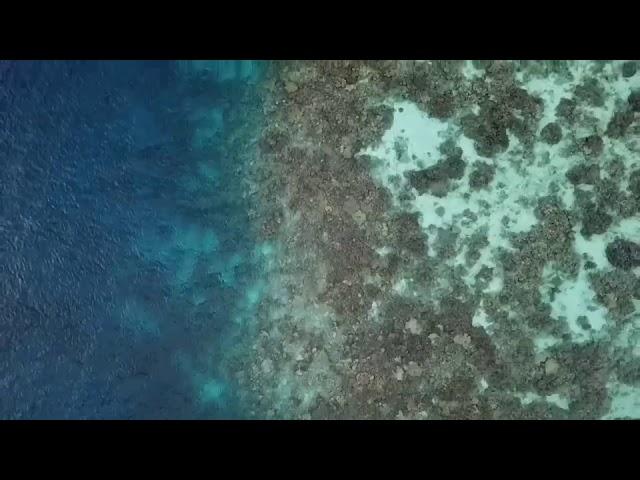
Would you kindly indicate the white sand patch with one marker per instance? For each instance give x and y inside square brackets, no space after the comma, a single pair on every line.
[554,399]
[384,251]
[625,402]
[470,72]
[374,312]
[483,385]
[481,319]
[401,287]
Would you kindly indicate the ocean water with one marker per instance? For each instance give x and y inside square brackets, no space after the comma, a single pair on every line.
[124,240]
[320,240]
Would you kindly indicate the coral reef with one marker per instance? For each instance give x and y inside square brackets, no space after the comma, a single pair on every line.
[448,240]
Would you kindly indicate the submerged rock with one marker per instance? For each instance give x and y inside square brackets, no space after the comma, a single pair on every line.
[551,133]
[614,290]
[566,109]
[591,92]
[634,183]
[592,145]
[435,179]
[587,174]
[634,101]
[623,254]
[482,175]
[619,124]
[629,69]
[595,220]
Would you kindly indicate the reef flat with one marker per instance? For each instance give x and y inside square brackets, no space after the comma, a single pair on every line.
[444,239]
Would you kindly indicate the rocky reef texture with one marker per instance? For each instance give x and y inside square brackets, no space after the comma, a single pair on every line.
[446,239]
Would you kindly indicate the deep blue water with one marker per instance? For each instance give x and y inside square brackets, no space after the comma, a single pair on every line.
[124,242]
